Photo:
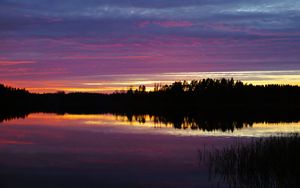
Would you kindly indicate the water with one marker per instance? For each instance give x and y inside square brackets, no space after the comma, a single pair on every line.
[104,150]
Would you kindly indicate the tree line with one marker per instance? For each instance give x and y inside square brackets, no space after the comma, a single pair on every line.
[216,95]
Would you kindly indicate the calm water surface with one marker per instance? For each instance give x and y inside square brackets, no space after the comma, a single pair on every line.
[49,150]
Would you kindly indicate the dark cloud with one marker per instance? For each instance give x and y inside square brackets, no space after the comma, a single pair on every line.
[70,17]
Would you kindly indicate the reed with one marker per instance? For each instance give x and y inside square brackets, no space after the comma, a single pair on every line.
[265,162]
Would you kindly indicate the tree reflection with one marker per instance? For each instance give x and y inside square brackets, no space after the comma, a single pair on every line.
[7,116]
[203,122]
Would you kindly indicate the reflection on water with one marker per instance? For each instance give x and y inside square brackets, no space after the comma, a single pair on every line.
[175,125]
[48,150]
[106,150]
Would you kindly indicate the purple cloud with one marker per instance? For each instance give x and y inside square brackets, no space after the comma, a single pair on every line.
[43,39]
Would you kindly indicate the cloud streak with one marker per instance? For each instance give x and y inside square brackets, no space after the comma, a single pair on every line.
[42,39]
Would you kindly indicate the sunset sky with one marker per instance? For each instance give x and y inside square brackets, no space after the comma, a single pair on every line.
[107,45]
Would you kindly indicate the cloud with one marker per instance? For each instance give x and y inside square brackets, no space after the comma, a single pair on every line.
[87,37]
[167,24]
[10,62]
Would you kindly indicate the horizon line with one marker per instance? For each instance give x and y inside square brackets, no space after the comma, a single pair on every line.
[122,82]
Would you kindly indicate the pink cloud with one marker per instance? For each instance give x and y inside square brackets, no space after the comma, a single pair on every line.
[166,24]
[78,56]
[19,71]
[9,62]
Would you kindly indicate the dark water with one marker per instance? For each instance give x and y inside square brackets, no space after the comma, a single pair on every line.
[48,150]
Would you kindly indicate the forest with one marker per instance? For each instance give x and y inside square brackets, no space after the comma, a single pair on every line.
[224,99]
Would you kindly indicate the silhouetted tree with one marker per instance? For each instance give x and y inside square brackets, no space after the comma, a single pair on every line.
[214,96]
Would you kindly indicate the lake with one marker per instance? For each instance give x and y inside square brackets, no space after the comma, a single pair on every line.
[106,150]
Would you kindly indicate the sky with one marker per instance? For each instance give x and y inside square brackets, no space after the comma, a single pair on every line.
[107,45]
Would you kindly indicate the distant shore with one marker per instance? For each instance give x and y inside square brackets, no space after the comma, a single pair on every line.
[223,100]
[206,96]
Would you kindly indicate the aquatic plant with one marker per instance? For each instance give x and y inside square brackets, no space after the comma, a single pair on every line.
[266,162]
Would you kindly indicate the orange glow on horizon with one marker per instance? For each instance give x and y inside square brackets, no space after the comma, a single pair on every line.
[140,124]
[112,83]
